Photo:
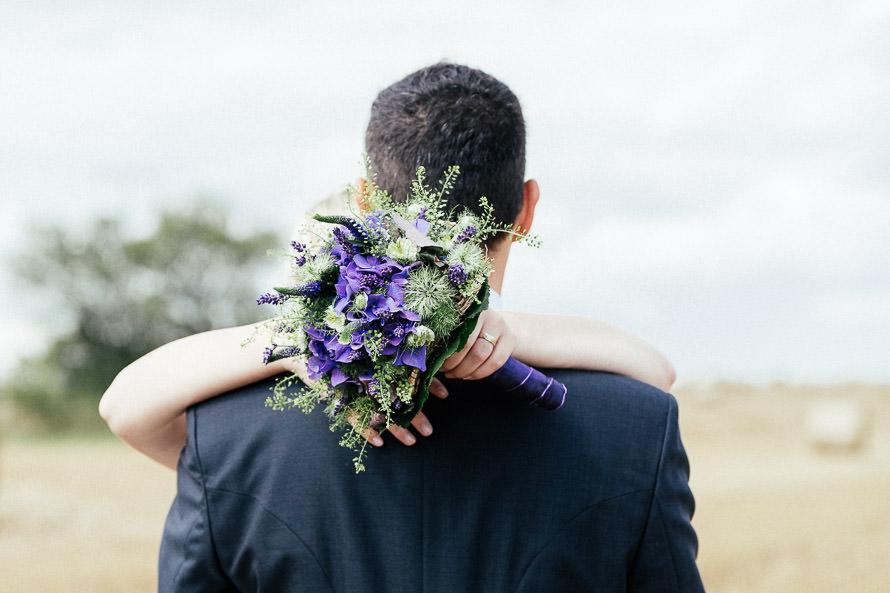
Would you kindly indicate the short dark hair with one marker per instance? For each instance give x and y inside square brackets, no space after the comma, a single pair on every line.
[448,114]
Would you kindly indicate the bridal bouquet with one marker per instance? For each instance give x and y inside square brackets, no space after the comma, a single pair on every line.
[378,304]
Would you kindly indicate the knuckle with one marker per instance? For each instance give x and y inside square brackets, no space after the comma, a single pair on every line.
[499,360]
[477,356]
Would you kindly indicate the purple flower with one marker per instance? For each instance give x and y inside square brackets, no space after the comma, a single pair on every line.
[277,354]
[271,299]
[368,274]
[309,289]
[375,225]
[395,332]
[338,377]
[299,248]
[267,354]
[457,275]
[415,357]
[421,224]
[341,405]
[342,248]
[373,387]
[465,235]
[326,352]
[396,287]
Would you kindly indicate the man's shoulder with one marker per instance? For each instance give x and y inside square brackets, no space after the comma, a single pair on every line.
[605,394]
[595,396]
[592,396]
[604,415]
[598,384]
[624,407]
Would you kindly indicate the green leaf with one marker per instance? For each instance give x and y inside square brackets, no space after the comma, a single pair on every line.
[435,360]
[434,250]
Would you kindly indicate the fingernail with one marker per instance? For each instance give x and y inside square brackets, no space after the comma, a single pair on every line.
[409,439]
[426,429]
[377,441]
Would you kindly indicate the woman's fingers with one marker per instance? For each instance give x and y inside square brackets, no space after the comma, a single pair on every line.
[420,423]
[499,355]
[455,359]
[369,434]
[438,389]
[479,352]
[402,434]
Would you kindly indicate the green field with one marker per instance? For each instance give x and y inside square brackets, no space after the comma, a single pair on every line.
[774,514]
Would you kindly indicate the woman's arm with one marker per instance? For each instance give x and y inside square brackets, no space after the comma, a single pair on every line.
[145,404]
[565,341]
[559,341]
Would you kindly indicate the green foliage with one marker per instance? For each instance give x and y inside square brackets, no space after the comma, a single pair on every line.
[112,298]
[455,343]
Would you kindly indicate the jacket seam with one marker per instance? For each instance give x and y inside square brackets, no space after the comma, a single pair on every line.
[566,525]
[656,501]
[669,546]
[205,500]
[266,509]
[653,502]
[655,480]
[188,537]
[202,479]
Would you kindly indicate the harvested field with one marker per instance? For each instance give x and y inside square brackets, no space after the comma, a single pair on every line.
[776,511]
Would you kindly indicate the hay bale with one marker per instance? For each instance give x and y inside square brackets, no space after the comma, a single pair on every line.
[836,425]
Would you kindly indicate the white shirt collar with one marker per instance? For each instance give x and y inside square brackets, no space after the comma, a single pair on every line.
[494,300]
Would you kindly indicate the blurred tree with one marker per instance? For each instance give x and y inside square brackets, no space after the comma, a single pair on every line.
[114,298]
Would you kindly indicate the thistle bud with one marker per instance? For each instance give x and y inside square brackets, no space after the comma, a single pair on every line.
[334,320]
[422,335]
[402,250]
[360,301]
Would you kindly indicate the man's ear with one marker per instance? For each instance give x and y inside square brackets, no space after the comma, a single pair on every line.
[360,195]
[530,194]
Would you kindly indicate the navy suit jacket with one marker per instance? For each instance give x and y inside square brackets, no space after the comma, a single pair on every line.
[503,497]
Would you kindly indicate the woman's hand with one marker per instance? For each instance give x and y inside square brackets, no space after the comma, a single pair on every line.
[479,358]
[420,423]
[487,349]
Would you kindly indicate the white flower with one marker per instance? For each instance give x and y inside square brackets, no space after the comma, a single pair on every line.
[422,335]
[334,320]
[359,301]
[402,250]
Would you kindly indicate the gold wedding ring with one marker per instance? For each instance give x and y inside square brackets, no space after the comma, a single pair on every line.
[489,338]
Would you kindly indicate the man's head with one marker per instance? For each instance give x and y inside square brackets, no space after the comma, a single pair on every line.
[444,115]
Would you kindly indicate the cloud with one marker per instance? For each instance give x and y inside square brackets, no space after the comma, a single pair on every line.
[714,176]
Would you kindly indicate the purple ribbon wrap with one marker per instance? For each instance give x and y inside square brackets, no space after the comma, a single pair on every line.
[528,384]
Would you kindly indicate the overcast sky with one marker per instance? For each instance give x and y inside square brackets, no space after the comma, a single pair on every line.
[715,179]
